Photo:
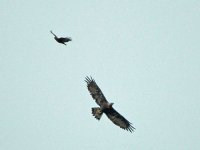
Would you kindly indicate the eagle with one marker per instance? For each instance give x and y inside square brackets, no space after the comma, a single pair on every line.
[61,40]
[106,107]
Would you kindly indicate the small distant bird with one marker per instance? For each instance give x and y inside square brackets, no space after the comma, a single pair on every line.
[106,107]
[61,39]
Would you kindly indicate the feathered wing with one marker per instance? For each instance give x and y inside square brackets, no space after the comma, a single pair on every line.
[119,120]
[53,33]
[95,91]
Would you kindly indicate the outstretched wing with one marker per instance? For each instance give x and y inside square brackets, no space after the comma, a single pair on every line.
[95,91]
[118,119]
[53,33]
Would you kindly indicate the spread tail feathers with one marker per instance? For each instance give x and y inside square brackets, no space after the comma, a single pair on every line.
[97,113]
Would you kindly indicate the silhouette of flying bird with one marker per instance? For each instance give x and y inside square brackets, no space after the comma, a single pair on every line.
[106,107]
[61,40]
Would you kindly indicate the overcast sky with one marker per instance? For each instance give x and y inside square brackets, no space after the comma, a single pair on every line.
[144,55]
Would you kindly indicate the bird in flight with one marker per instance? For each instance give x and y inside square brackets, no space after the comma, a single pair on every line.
[106,107]
[61,40]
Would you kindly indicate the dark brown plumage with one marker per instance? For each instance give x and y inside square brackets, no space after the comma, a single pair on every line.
[106,107]
[61,39]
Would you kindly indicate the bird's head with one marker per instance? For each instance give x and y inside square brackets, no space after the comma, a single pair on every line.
[110,105]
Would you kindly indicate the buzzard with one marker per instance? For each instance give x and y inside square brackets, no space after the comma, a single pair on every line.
[61,39]
[106,107]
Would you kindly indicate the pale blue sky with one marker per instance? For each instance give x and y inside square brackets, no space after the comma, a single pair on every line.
[144,55]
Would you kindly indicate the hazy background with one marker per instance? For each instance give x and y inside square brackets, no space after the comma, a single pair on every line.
[144,55]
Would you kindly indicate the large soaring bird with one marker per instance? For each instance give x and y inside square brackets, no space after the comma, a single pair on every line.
[61,39]
[105,106]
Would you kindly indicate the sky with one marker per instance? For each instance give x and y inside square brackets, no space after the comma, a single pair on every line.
[144,55]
